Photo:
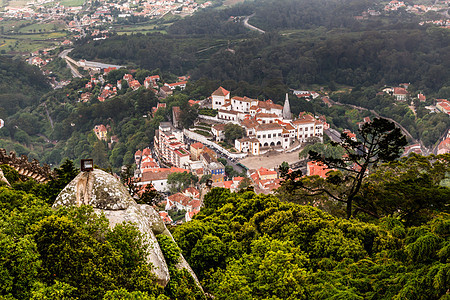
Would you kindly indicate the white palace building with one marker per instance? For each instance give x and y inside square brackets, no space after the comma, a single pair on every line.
[266,124]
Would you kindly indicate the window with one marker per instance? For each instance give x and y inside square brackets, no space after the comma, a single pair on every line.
[306,129]
[269,136]
[264,136]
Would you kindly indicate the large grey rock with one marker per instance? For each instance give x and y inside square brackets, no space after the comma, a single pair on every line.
[107,195]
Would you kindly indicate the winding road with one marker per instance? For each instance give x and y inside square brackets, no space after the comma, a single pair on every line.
[64,56]
[426,151]
[251,27]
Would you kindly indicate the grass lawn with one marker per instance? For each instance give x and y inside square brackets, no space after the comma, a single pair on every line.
[24,45]
[70,3]
[44,27]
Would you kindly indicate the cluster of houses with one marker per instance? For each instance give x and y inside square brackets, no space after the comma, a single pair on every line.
[266,124]
[105,11]
[109,90]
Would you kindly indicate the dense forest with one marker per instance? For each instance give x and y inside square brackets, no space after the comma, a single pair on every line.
[21,85]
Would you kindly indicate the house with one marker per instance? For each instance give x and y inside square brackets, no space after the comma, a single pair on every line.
[193,102]
[317,168]
[196,149]
[158,106]
[192,192]
[421,97]
[134,84]
[265,180]
[101,132]
[165,91]
[444,146]
[189,215]
[307,126]
[365,120]
[219,97]
[232,185]
[182,202]
[350,134]
[173,86]
[247,145]
[443,106]
[218,130]
[400,94]
[217,178]
[165,217]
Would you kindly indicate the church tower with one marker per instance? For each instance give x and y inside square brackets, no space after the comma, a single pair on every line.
[287,115]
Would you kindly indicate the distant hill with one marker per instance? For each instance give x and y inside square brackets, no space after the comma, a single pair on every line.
[21,85]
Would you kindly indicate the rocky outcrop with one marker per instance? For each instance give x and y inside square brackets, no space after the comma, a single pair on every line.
[109,196]
[26,168]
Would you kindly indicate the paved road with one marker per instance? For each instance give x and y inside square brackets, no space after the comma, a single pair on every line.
[334,135]
[64,56]
[425,150]
[251,27]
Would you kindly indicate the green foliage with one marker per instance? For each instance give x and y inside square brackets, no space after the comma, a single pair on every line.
[10,174]
[180,181]
[381,141]
[181,284]
[410,188]
[233,132]
[256,247]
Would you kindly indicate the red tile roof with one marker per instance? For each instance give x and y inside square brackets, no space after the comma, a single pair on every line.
[220,92]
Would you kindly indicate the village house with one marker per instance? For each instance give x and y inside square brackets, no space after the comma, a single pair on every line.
[165,217]
[443,105]
[157,177]
[182,202]
[232,185]
[317,169]
[173,86]
[444,146]
[265,181]
[218,130]
[400,94]
[196,149]
[101,132]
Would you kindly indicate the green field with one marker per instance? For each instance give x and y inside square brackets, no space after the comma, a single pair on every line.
[70,3]
[43,27]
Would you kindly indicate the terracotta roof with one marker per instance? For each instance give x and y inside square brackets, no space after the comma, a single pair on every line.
[152,176]
[266,115]
[180,198]
[249,123]
[192,190]
[231,112]
[219,127]
[247,139]
[220,92]
[268,104]
[177,83]
[197,145]
[400,91]
[269,126]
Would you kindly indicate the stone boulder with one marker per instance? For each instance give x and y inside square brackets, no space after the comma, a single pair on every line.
[109,196]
